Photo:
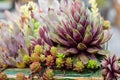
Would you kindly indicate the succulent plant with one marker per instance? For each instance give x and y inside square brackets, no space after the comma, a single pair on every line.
[38,49]
[35,67]
[76,30]
[13,44]
[68,29]
[69,63]
[94,8]
[21,76]
[59,62]
[42,58]
[26,59]
[49,61]
[93,64]
[24,16]
[3,76]
[78,66]
[34,57]
[28,8]
[111,69]
[48,75]
[74,27]
[54,51]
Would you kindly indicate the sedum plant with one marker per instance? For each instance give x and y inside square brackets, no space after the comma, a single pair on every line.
[60,60]
[42,58]
[78,66]
[93,64]
[69,63]
[35,67]
[34,57]
[26,59]
[3,76]
[54,51]
[49,61]
[48,75]
[21,76]
[38,49]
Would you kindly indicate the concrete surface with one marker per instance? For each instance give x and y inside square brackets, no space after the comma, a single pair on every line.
[114,43]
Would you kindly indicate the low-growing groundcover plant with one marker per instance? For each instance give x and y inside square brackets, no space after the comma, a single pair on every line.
[66,36]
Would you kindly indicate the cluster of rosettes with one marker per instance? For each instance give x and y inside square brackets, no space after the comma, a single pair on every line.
[71,36]
[47,75]
[74,32]
[57,60]
[38,61]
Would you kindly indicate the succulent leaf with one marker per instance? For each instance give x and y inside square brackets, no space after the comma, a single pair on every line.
[81,46]
[60,55]
[93,50]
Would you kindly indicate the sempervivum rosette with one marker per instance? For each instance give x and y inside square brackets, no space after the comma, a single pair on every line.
[12,45]
[79,31]
[24,16]
[111,69]
[43,40]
